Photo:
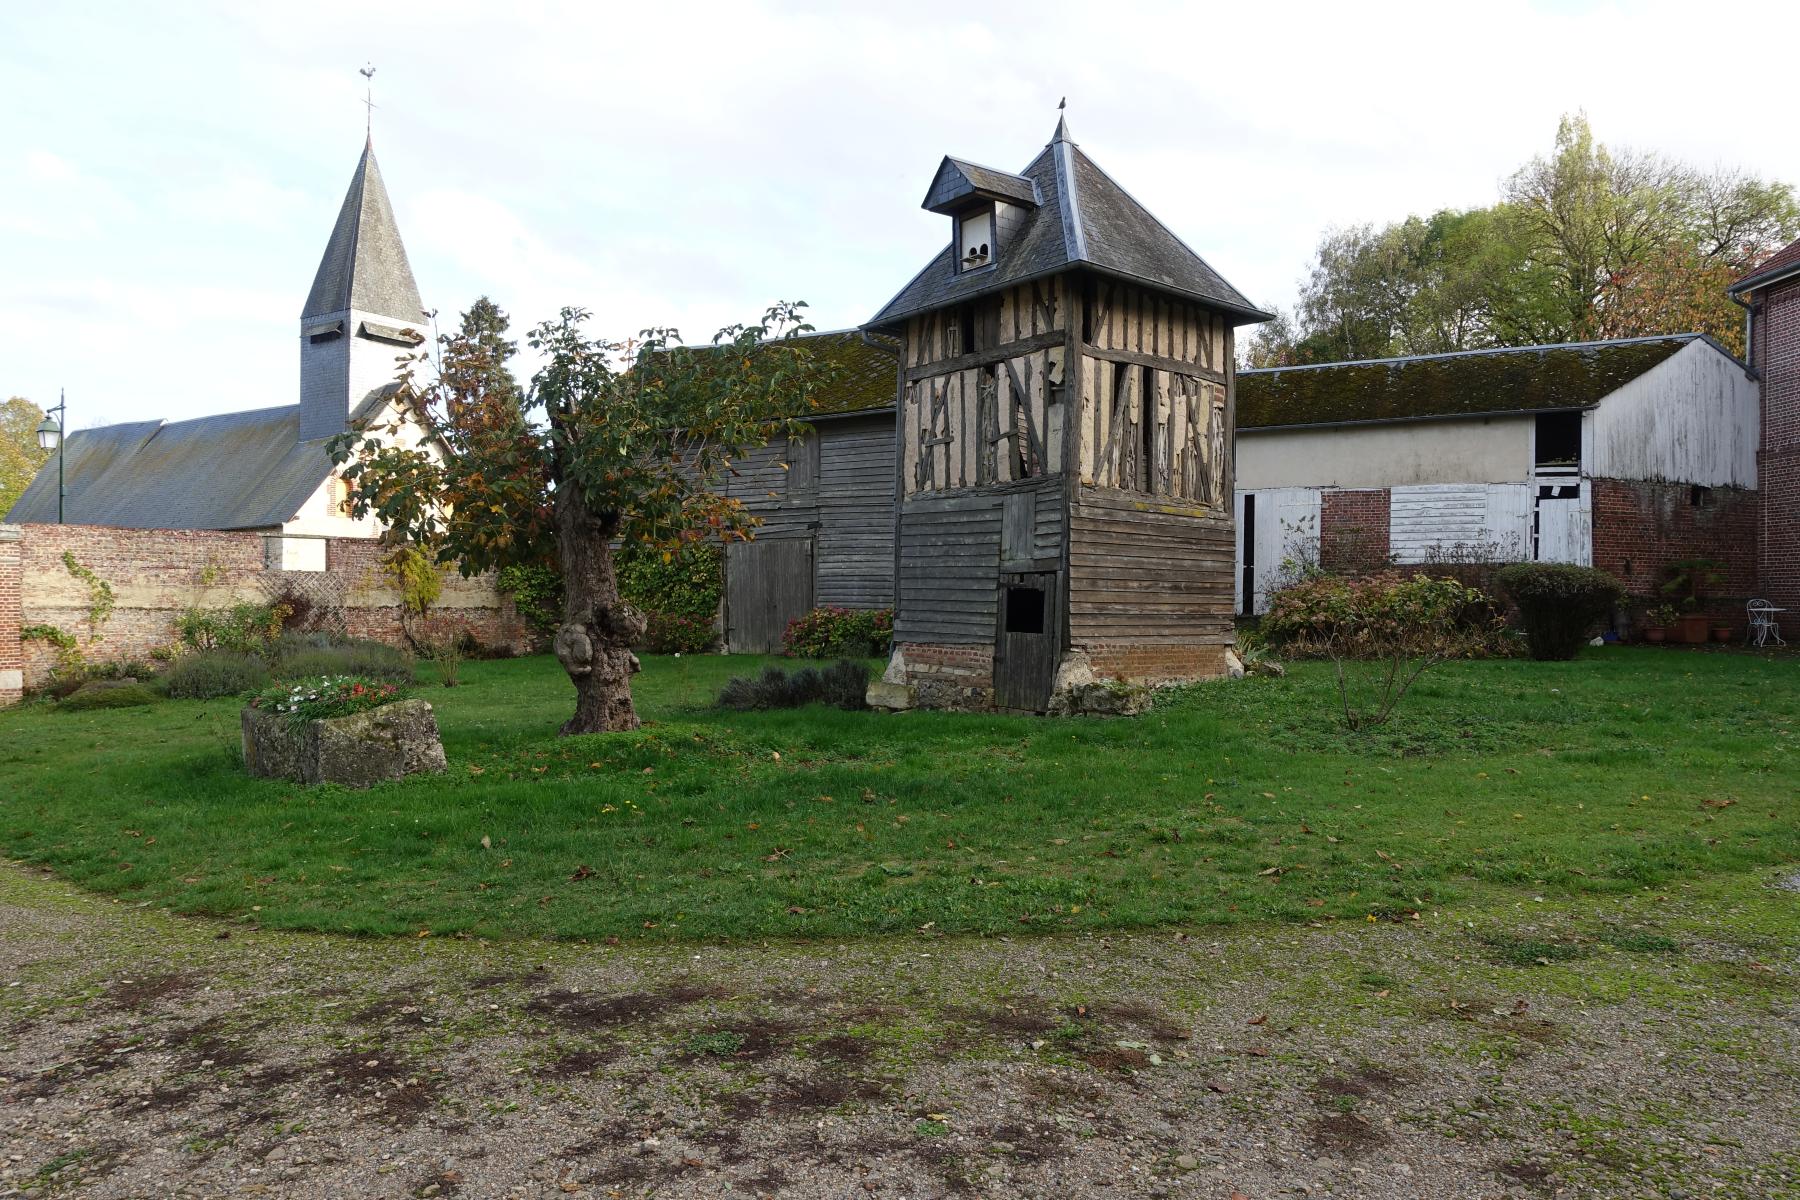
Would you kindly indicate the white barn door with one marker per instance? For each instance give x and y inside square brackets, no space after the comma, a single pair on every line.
[1565,526]
[1278,529]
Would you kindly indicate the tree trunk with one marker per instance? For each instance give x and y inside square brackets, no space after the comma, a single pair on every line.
[598,629]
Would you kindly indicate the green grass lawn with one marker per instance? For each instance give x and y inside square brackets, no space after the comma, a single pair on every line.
[1624,770]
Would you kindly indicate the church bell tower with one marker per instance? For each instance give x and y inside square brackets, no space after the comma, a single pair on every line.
[363,312]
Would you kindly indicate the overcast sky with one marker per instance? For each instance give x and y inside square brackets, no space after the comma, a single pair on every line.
[169,172]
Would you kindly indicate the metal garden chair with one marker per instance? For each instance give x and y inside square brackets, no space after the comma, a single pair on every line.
[1763,625]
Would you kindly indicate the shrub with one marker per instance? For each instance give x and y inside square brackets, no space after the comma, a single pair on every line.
[245,628]
[844,684]
[208,674]
[1308,619]
[668,634]
[311,655]
[1399,626]
[326,697]
[677,592]
[829,632]
[537,593]
[1559,604]
[113,694]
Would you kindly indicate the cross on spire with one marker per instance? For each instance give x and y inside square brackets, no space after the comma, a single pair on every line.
[368,74]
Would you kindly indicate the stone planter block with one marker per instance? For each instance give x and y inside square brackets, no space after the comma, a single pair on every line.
[390,742]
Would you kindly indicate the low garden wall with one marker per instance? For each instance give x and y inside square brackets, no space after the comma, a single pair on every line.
[119,592]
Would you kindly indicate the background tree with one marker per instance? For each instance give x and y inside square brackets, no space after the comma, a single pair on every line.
[20,457]
[1585,243]
[613,443]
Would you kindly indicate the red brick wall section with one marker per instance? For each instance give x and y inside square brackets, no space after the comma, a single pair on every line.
[1142,662]
[157,573]
[1640,528]
[1776,353]
[1353,530]
[12,653]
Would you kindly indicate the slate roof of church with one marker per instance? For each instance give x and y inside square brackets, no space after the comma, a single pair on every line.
[365,264]
[243,470]
[1083,218]
[1570,375]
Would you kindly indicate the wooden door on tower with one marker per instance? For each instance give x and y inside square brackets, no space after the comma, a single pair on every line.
[1028,641]
[767,584]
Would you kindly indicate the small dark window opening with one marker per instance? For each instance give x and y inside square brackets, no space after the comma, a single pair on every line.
[965,322]
[1699,496]
[1147,427]
[1024,610]
[1559,439]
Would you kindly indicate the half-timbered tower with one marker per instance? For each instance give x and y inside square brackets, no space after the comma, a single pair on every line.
[1064,443]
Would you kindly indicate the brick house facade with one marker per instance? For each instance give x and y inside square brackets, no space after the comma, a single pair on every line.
[1772,295]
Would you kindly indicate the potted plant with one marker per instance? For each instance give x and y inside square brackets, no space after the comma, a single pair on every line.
[1689,581]
[1657,623]
[1721,629]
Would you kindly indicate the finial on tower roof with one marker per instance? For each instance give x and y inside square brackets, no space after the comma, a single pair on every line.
[1062,124]
[367,71]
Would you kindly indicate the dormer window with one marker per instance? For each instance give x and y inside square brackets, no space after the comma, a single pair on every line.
[986,208]
[975,236]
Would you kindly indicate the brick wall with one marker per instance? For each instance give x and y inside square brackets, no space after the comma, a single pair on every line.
[1353,530]
[12,660]
[155,574]
[1642,527]
[1776,351]
[942,675]
[1146,662]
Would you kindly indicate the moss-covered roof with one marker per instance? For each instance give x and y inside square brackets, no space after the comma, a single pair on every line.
[865,375]
[1526,379]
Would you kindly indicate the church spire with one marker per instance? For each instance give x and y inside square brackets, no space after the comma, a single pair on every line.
[365,265]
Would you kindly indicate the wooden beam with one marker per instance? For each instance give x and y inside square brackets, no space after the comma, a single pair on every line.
[981,358]
[1156,361]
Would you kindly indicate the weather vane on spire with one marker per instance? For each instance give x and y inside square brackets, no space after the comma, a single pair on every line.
[368,74]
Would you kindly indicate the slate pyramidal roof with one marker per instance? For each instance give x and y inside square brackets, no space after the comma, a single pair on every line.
[242,470]
[1076,216]
[365,265]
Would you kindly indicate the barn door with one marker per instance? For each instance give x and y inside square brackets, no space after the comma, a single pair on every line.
[1278,533]
[767,584]
[1562,526]
[1027,641]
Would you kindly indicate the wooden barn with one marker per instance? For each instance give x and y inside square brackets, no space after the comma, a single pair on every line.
[826,502]
[1064,435]
[1627,455]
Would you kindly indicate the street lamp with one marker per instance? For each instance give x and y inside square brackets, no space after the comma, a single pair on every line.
[50,437]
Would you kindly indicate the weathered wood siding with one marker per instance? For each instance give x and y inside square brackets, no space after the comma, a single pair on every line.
[855,566]
[1154,414]
[1148,572]
[982,402]
[1693,418]
[949,569]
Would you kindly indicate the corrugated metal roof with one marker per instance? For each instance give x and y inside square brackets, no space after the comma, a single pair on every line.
[242,470]
[365,264]
[1083,218]
[1476,382]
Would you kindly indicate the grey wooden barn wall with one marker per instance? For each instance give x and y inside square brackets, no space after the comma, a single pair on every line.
[837,491]
[952,548]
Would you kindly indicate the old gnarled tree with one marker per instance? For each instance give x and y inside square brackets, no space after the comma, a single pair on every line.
[613,443]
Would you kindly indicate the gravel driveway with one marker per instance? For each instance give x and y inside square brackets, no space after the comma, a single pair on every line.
[145,1055]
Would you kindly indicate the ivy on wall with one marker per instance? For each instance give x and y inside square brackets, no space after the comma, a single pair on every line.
[100,595]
